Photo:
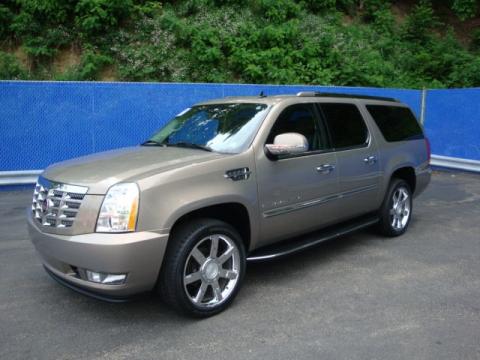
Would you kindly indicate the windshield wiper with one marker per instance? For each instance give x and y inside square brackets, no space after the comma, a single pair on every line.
[190,145]
[152,143]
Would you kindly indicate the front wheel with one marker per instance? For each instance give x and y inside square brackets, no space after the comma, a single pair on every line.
[203,267]
[396,210]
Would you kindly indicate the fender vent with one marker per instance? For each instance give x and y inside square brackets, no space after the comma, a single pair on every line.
[238,174]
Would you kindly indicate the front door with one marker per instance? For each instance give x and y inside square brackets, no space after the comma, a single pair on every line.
[297,194]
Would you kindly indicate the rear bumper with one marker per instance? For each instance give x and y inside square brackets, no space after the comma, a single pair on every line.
[137,254]
[423,175]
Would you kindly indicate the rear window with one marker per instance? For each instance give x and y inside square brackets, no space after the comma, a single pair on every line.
[346,125]
[396,123]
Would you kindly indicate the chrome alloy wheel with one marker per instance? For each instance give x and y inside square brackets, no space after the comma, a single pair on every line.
[401,209]
[211,271]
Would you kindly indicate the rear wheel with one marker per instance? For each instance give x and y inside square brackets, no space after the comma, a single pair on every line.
[396,210]
[203,268]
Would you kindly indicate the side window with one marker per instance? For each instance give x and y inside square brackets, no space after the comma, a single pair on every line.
[396,123]
[346,125]
[299,118]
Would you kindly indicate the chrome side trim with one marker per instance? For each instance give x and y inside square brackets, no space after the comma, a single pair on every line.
[299,206]
[358,190]
[294,207]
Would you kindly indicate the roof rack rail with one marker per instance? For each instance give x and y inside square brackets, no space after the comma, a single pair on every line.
[352,96]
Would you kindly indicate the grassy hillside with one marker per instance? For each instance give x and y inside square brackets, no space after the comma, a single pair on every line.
[383,43]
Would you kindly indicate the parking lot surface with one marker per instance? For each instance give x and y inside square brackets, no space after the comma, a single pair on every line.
[358,297]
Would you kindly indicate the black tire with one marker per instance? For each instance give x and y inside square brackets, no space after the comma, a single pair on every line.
[385,225]
[172,286]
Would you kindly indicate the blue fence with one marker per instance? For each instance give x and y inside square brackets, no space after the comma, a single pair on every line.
[45,122]
[452,122]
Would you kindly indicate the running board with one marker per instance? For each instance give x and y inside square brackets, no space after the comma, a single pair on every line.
[305,242]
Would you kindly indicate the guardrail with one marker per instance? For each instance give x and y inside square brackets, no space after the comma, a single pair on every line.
[455,163]
[20,177]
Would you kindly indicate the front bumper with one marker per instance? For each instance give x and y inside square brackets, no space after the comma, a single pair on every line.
[137,254]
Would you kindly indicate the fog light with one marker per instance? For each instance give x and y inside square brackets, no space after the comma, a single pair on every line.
[104,278]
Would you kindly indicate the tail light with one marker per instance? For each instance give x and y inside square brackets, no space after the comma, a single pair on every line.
[429,151]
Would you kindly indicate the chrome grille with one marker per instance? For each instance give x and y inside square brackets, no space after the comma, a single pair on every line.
[55,204]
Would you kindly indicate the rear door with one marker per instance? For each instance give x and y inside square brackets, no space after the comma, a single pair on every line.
[357,158]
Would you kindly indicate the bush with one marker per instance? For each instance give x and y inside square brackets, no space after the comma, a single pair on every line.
[91,65]
[373,7]
[10,67]
[149,52]
[39,25]
[276,11]
[421,22]
[6,17]
[317,6]
[94,17]
[465,72]
[475,43]
[465,9]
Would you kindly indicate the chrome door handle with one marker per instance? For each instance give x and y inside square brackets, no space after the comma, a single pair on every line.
[370,160]
[325,168]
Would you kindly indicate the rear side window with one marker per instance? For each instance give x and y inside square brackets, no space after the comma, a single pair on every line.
[396,123]
[346,125]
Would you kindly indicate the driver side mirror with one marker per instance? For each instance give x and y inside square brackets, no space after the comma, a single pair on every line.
[287,144]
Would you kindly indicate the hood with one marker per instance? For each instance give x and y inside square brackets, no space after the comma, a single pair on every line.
[101,170]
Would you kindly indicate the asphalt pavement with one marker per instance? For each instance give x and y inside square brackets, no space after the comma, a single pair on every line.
[359,297]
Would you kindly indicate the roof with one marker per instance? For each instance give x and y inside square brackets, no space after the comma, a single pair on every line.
[274,99]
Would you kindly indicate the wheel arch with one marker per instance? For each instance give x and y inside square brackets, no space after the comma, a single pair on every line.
[406,173]
[233,213]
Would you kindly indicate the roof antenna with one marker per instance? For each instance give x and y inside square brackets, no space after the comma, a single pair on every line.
[262,94]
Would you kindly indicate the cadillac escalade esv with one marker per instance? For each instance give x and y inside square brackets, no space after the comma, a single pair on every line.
[225,182]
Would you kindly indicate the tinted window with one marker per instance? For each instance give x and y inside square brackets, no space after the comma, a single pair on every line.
[300,119]
[396,123]
[346,125]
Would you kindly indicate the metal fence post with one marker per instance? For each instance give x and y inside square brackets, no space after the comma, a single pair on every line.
[424,104]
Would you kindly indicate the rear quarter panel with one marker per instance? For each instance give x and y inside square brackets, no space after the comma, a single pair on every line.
[395,155]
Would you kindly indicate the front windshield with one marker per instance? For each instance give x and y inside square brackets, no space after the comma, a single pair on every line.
[225,128]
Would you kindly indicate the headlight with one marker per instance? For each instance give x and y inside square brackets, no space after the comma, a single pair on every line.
[119,209]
